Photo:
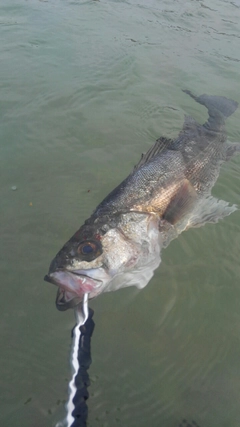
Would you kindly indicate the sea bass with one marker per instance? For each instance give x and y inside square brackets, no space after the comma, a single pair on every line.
[167,192]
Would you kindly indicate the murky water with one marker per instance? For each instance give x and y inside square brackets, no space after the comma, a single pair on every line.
[86,86]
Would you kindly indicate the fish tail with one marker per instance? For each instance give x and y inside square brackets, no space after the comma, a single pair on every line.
[219,108]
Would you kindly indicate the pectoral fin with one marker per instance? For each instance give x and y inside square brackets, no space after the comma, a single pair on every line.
[210,210]
[181,203]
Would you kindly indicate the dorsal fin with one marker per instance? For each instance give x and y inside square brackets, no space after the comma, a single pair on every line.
[161,144]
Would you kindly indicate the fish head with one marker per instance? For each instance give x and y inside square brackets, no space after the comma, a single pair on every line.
[102,256]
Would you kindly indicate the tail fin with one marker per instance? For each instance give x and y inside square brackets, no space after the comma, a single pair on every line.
[219,108]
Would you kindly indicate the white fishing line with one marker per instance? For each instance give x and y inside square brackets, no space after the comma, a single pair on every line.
[81,314]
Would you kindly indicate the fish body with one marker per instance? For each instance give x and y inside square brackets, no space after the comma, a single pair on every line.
[167,192]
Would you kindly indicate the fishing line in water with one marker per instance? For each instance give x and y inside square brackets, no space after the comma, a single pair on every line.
[80,359]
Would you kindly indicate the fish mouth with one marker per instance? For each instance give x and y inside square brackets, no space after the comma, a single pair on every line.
[72,285]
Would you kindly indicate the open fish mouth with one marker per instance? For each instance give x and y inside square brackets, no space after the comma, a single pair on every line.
[72,287]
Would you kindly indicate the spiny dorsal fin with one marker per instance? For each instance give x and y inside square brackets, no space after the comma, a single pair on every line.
[161,144]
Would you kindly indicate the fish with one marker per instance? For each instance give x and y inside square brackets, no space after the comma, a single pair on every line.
[167,192]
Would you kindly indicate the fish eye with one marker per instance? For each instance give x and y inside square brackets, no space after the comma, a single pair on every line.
[89,250]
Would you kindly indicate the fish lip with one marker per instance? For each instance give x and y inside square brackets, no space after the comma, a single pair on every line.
[77,273]
[48,277]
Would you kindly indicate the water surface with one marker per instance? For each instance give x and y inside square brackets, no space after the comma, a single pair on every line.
[86,86]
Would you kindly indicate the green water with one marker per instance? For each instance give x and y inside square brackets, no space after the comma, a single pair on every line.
[86,86]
